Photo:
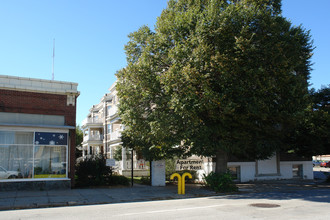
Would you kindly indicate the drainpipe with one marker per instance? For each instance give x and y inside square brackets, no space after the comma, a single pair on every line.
[105,128]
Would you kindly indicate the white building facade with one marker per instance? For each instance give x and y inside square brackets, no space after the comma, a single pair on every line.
[102,135]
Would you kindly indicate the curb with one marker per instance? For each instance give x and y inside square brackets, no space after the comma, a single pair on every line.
[73,203]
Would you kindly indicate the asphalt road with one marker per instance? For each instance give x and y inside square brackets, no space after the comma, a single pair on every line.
[302,204]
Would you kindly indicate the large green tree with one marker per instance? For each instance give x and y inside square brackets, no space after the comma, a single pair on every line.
[216,78]
[312,136]
[143,103]
[321,98]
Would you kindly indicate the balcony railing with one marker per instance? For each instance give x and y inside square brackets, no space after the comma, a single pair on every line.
[93,137]
[108,137]
[92,121]
[115,135]
[112,111]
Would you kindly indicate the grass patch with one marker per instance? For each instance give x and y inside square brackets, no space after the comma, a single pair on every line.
[145,180]
[41,176]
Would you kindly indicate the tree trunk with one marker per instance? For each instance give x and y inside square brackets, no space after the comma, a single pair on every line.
[221,161]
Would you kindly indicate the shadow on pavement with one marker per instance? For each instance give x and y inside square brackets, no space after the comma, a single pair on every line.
[283,191]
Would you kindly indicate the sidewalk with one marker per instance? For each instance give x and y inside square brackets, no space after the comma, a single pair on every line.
[55,198]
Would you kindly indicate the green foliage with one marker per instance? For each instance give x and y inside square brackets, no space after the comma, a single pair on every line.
[312,136]
[92,171]
[215,78]
[79,140]
[170,168]
[118,154]
[79,135]
[321,98]
[220,182]
[145,180]
[118,180]
[37,170]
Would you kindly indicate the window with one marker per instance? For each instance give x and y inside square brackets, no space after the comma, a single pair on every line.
[50,162]
[16,154]
[297,171]
[108,110]
[235,172]
[109,128]
[27,155]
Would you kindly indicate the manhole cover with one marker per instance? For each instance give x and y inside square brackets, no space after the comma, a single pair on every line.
[264,205]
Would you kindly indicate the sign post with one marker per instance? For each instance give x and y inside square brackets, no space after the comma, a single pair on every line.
[132,174]
[110,162]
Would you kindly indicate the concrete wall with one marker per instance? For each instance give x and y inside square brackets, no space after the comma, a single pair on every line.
[248,170]
[37,85]
[268,166]
[286,169]
[35,185]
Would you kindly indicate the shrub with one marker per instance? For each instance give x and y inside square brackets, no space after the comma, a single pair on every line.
[118,180]
[220,182]
[144,180]
[169,168]
[328,179]
[37,170]
[92,171]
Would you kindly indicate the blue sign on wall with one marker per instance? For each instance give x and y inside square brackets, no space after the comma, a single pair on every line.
[50,138]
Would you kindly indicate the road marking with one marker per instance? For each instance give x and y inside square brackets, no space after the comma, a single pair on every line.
[170,210]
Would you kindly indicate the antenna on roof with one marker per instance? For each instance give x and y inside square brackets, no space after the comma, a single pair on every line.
[53,58]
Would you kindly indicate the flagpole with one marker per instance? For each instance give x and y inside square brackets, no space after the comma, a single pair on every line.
[53,58]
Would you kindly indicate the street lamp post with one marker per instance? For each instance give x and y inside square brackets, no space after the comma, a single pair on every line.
[132,168]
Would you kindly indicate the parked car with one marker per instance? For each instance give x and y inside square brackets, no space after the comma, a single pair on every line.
[8,174]
[325,164]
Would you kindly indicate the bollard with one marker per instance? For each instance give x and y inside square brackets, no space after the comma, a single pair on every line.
[183,191]
[179,181]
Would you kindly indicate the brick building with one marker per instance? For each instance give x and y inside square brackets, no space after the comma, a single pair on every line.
[37,133]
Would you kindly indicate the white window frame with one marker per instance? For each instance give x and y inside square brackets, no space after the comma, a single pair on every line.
[34,130]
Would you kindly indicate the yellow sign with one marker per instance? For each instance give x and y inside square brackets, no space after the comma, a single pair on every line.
[181,181]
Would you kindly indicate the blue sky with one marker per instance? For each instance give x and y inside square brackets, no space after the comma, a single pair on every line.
[90,36]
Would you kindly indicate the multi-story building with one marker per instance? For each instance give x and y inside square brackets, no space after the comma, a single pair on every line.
[37,133]
[102,135]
